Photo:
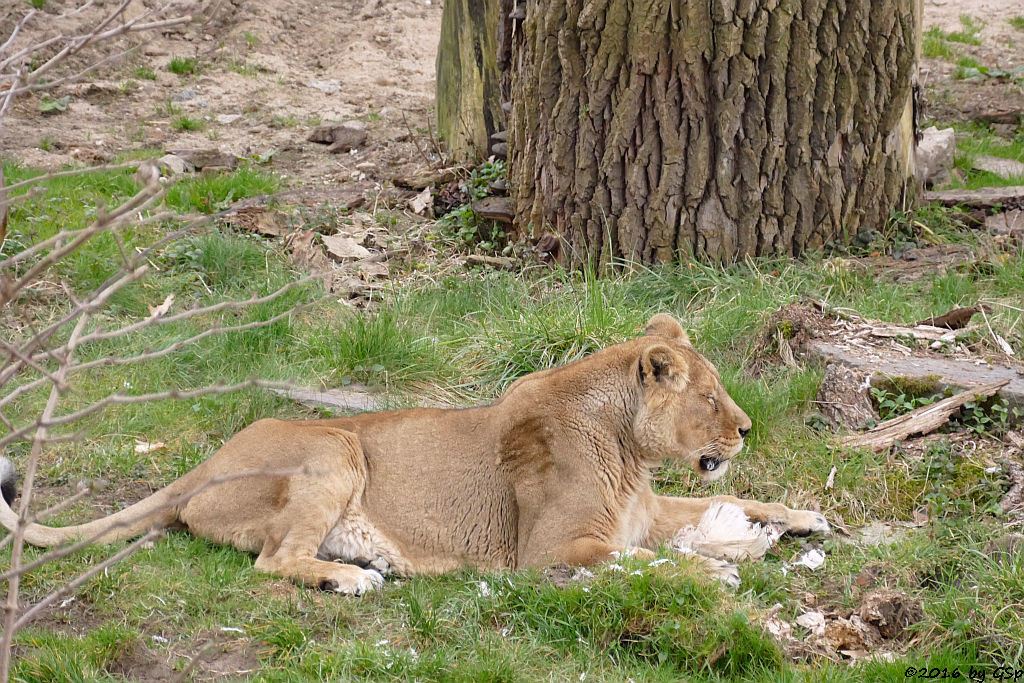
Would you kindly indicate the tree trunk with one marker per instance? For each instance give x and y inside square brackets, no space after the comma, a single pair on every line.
[468,108]
[649,130]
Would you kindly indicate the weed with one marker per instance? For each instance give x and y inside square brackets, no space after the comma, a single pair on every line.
[284,121]
[251,39]
[168,108]
[1017,22]
[185,123]
[50,105]
[956,485]
[467,228]
[144,72]
[934,44]
[891,404]
[244,68]
[184,66]
[970,28]
[209,192]
[48,144]
[36,4]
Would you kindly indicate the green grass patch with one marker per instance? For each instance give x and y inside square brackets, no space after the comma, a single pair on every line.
[1017,22]
[187,123]
[469,337]
[184,66]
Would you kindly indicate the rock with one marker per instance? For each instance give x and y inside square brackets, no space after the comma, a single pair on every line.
[172,164]
[227,119]
[934,155]
[344,248]
[184,95]
[341,138]
[1008,223]
[206,158]
[327,87]
[1004,168]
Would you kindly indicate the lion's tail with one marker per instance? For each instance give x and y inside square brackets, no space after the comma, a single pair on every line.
[156,511]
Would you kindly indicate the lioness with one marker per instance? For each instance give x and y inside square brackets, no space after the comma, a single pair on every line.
[556,470]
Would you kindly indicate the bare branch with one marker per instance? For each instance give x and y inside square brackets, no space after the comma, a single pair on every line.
[128,399]
[73,585]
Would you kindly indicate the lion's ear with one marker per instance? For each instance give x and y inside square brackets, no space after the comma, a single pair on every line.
[664,325]
[659,363]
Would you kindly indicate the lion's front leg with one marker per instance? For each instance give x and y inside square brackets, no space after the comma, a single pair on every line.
[669,514]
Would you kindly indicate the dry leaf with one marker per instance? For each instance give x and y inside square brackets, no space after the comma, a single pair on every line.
[157,311]
[421,202]
[144,447]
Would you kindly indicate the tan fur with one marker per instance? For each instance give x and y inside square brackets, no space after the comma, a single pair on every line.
[557,470]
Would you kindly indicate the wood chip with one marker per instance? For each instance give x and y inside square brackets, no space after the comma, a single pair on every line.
[955,319]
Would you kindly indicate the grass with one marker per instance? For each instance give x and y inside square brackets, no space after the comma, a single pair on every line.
[1017,22]
[184,66]
[144,72]
[186,123]
[975,140]
[468,337]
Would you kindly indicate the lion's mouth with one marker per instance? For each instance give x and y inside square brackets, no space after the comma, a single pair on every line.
[709,463]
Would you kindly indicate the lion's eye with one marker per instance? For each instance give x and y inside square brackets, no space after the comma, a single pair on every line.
[713,402]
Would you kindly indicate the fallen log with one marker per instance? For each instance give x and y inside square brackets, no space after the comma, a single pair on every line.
[983,198]
[955,319]
[920,421]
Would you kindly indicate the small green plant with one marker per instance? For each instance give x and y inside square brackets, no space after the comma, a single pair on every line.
[993,417]
[893,403]
[47,144]
[955,485]
[967,67]
[244,68]
[50,105]
[168,108]
[284,121]
[183,66]
[968,35]
[36,4]
[1017,22]
[372,117]
[464,225]
[144,72]
[935,45]
[183,123]
[251,39]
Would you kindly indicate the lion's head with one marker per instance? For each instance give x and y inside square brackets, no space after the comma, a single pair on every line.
[686,412]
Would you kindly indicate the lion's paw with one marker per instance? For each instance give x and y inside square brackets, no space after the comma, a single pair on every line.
[354,581]
[805,522]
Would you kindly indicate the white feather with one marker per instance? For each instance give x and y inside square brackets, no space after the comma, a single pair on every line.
[725,533]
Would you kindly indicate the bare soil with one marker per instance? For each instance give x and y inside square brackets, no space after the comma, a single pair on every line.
[269,72]
[946,98]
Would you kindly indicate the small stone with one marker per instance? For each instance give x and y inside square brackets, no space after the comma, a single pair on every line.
[341,138]
[172,164]
[206,158]
[327,87]
[934,155]
[1004,168]
[227,119]
[184,95]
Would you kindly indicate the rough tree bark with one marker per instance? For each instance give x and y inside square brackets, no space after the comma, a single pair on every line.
[468,108]
[647,130]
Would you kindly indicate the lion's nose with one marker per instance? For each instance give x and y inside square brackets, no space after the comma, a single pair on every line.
[744,432]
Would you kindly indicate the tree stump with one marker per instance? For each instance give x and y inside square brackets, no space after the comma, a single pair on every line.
[468,107]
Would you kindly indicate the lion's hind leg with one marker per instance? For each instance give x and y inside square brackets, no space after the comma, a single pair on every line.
[285,517]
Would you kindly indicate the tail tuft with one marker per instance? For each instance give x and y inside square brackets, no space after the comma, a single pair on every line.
[8,480]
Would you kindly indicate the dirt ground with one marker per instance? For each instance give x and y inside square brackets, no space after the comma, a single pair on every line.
[270,71]
[947,98]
